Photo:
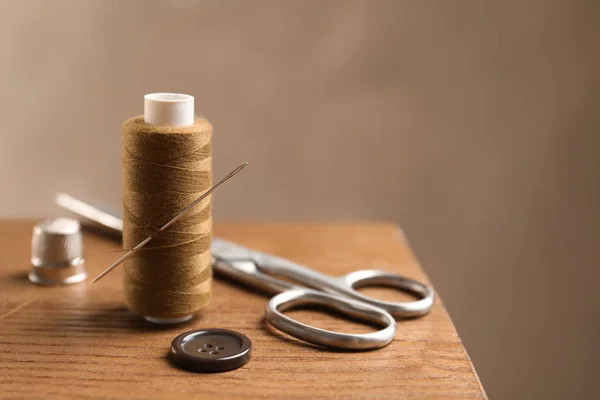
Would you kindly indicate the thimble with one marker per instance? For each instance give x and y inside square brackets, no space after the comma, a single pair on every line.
[57,252]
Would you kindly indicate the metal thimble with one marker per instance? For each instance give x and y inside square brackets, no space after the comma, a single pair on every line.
[57,252]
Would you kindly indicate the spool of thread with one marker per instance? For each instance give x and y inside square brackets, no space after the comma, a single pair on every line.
[166,166]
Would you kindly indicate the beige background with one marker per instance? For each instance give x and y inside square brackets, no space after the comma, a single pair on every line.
[473,124]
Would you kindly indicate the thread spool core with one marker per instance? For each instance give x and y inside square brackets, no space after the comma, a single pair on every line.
[169,321]
[169,109]
[176,110]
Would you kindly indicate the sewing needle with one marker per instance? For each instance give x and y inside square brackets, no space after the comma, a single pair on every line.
[171,222]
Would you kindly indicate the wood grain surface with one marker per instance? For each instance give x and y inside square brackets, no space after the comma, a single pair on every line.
[80,342]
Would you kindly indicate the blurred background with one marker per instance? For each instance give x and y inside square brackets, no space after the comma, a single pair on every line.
[472,124]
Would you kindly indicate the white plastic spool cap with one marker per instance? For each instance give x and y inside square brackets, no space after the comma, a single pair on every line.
[176,110]
[169,109]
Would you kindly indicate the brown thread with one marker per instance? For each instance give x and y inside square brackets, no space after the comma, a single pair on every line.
[164,170]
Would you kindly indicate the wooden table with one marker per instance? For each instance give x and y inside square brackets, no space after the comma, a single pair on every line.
[80,342]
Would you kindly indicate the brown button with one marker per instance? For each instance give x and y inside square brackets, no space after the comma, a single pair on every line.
[211,350]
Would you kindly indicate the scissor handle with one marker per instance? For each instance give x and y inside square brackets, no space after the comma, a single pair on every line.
[347,285]
[358,279]
[353,309]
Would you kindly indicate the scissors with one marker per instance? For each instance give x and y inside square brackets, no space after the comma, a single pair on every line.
[338,293]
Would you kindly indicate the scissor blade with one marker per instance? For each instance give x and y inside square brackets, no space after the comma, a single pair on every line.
[110,223]
[224,250]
